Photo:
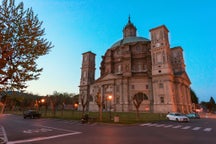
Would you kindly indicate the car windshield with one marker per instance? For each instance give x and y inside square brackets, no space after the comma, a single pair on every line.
[178,114]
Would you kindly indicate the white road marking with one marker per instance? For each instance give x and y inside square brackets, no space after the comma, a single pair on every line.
[145,124]
[186,127]
[4,134]
[196,128]
[45,130]
[70,132]
[178,126]
[37,130]
[167,126]
[207,129]
[93,124]
[159,125]
[154,124]
[60,129]
[27,131]
[42,138]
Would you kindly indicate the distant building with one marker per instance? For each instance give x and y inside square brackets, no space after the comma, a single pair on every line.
[136,65]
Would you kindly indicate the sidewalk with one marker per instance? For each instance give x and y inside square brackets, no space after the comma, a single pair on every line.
[207,115]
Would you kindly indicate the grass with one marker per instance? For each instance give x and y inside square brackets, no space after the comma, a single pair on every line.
[124,117]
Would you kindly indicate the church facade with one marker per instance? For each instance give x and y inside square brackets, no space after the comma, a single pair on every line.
[136,66]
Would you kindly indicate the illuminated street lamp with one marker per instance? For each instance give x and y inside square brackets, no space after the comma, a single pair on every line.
[75,106]
[110,98]
[42,100]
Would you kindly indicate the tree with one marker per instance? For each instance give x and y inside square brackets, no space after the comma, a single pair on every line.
[137,100]
[211,105]
[21,44]
[84,102]
[100,104]
[194,98]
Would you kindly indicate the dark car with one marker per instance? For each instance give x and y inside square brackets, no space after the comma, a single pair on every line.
[31,114]
[193,116]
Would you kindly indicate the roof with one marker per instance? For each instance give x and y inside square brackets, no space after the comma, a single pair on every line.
[106,77]
[127,40]
[183,74]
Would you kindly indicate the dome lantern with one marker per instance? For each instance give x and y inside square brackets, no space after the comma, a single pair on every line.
[129,30]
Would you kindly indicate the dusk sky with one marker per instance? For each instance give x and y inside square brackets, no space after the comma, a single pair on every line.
[78,26]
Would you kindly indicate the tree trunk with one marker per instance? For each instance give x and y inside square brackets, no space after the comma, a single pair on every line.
[83,109]
[137,113]
[46,107]
[62,110]
[100,113]
[3,108]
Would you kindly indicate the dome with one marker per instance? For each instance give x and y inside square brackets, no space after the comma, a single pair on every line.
[128,40]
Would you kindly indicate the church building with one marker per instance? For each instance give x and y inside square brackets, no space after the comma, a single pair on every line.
[137,66]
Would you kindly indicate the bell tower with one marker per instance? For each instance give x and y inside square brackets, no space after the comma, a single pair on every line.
[162,73]
[88,69]
[87,78]
[160,51]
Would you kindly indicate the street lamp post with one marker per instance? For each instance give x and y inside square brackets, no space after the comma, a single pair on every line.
[42,101]
[110,98]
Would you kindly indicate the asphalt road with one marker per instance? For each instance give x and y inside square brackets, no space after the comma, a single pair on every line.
[14,129]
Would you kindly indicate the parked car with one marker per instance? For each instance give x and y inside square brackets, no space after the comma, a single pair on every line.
[193,116]
[174,116]
[31,114]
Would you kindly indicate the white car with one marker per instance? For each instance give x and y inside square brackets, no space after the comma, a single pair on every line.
[177,117]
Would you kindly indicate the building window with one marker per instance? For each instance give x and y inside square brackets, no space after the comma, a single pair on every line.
[119,68]
[139,67]
[84,74]
[153,58]
[159,58]
[117,88]
[144,67]
[164,58]
[161,85]
[117,100]
[161,99]
[91,98]
[132,86]
[138,49]
[127,67]
[147,86]
[85,58]
[107,70]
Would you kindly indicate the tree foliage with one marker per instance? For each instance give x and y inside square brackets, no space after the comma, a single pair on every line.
[14,100]
[194,98]
[21,44]
[211,105]
[137,100]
